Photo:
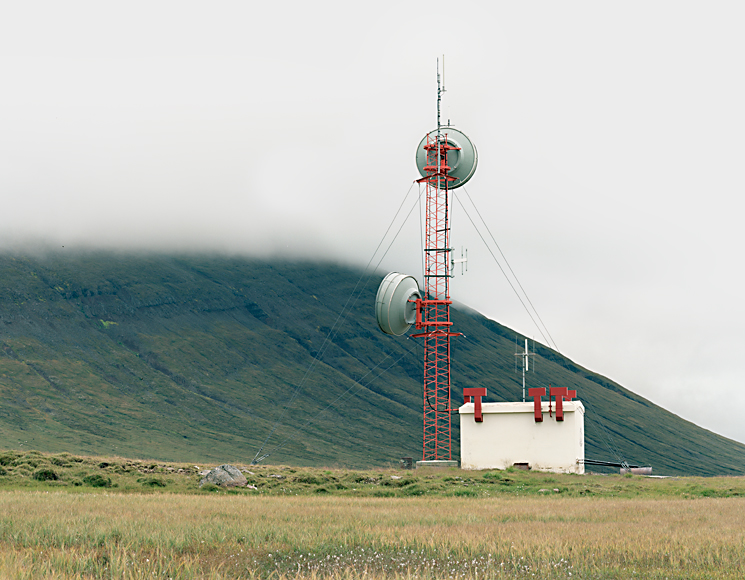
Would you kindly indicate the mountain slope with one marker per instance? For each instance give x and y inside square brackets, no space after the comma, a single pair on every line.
[195,358]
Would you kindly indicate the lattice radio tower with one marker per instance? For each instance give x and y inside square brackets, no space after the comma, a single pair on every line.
[446,159]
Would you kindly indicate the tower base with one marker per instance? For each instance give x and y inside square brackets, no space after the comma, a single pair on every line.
[437,463]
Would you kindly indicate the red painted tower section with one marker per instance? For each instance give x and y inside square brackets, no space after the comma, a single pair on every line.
[433,311]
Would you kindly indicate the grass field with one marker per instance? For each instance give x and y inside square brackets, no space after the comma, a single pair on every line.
[314,523]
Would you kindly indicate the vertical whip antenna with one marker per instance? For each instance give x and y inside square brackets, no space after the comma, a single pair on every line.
[525,356]
[443,74]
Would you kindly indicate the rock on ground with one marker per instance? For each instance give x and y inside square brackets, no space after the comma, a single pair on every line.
[226,475]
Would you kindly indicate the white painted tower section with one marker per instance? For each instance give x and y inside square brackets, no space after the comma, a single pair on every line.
[509,434]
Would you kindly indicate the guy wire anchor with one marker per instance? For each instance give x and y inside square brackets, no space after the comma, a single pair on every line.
[463,261]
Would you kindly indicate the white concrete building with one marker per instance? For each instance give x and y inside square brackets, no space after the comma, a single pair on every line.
[511,434]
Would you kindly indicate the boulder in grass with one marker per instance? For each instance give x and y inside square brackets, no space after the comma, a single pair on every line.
[225,475]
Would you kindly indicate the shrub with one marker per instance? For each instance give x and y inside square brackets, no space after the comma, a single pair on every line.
[308,478]
[413,490]
[45,474]
[152,482]
[7,458]
[397,482]
[209,487]
[97,481]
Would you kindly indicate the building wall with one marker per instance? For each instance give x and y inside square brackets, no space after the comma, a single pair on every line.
[509,434]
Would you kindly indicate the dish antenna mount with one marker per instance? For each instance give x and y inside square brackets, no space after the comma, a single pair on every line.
[446,159]
[396,303]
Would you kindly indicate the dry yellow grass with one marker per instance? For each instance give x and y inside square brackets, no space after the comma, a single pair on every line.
[63,535]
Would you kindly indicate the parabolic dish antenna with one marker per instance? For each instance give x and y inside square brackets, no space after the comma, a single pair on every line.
[462,162]
[395,303]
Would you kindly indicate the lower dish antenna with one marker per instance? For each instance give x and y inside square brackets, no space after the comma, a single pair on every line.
[395,303]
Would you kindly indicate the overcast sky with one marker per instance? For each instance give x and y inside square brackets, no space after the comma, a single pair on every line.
[611,140]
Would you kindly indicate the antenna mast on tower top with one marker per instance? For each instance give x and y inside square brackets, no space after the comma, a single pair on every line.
[440,90]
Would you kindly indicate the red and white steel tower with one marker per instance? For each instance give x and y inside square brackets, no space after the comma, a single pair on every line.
[446,159]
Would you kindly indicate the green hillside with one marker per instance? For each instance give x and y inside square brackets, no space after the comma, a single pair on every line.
[194,358]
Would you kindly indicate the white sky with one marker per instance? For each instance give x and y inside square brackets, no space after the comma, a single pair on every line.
[610,137]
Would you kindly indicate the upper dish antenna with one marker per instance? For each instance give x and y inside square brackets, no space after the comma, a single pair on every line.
[395,303]
[462,161]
